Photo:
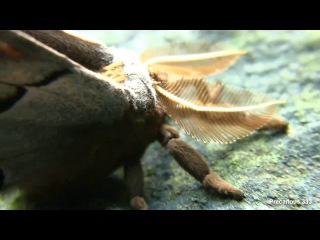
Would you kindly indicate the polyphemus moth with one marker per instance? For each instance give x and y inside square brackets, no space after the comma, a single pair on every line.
[73,110]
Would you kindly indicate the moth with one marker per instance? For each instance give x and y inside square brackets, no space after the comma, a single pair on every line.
[73,110]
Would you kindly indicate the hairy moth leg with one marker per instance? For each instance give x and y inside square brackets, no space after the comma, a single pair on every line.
[192,161]
[276,124]
[133,176]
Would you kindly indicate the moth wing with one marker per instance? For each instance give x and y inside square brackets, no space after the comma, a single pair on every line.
[213,111]
[51,110]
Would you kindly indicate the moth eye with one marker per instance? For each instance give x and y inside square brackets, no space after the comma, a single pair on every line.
[6,49]
[1,178]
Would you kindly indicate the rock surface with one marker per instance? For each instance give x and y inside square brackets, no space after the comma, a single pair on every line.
[275,171]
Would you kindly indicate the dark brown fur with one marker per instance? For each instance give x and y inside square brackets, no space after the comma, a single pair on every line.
[88,53]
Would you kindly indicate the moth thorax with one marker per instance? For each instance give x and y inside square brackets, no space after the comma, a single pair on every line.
[137,80]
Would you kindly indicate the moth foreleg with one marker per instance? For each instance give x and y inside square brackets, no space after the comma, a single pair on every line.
[192,162]
[276,124]
[133,176]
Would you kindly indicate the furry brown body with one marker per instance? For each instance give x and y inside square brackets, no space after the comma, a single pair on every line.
[64,154]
